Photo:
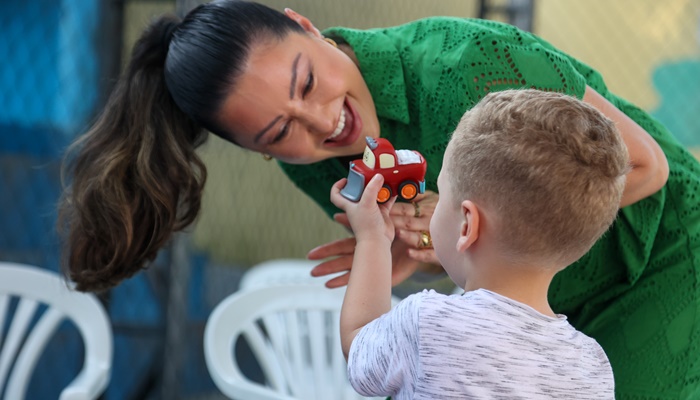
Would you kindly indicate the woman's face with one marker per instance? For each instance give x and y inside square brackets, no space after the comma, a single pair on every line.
[300,100]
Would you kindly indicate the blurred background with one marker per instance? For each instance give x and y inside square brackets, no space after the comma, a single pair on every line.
[61,57]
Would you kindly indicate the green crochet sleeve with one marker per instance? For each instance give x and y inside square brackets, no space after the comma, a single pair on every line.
[504,57]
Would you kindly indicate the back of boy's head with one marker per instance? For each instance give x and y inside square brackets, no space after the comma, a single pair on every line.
[550,167]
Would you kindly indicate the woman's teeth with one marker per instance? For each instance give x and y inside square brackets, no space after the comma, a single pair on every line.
[341,125]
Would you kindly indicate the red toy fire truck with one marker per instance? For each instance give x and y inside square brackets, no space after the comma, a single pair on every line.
[403,171]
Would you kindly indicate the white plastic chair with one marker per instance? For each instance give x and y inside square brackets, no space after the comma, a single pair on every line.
[293,333]
[33,286]
[282,271]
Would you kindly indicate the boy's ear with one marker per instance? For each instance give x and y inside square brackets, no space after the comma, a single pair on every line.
[303,22]
[469,230]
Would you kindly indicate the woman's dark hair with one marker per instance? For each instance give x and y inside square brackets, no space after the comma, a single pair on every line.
[134,177]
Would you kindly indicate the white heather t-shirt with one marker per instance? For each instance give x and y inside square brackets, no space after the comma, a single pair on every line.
[479,345]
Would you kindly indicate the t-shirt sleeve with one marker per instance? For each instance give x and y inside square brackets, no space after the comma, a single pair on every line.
[384,353]
[509,58]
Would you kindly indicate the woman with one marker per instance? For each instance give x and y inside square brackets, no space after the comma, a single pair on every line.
[271,83]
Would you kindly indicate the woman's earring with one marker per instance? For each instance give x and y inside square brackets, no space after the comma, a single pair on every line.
[266,157]
[331,41]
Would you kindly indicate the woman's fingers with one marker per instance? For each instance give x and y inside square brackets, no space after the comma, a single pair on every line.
[342,219]
[417,249]
[338,247]
[414,237]
[333,266]
[338,281]
[410,224]
[427,256]
[340,265]
[405,209]
[416,215]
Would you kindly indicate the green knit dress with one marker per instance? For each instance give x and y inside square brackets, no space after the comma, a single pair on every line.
[636,291]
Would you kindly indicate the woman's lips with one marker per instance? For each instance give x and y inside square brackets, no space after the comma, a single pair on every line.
[353,127]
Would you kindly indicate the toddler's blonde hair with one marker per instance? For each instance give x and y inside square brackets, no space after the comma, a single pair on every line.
[552,169]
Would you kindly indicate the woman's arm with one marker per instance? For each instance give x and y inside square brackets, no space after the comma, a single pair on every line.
[649,165]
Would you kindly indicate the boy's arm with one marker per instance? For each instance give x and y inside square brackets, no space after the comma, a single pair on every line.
[368,294]
[649,165]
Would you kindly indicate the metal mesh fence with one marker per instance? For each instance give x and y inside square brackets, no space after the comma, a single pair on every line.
[59,57]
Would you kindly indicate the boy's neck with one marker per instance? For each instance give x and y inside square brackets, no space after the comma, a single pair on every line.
[528,285]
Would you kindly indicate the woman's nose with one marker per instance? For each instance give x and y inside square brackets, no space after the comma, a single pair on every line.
[319,119]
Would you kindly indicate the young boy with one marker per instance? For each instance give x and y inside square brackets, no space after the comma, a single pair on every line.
[529,181]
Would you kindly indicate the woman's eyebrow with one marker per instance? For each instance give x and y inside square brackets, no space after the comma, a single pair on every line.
[292,85]
[265,129]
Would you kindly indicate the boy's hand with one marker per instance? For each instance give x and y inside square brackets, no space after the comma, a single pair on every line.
[409,221]
[368,220]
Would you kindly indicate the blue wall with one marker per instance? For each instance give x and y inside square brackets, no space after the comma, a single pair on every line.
[48,77]
[679,91]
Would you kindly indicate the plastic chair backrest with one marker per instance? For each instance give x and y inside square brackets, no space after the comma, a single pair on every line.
[293,332]
[23,346]
[282,271]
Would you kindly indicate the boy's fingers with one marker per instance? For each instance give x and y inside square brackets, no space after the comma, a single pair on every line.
[338,185]
[372,188]
[336,197]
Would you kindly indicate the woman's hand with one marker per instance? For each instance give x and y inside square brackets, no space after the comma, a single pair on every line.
[408,254]
[343,250]
[412,220]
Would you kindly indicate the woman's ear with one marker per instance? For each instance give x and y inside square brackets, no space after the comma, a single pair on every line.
[469,230]
[303,22]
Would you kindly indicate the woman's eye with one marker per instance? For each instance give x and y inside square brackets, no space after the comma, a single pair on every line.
[309,84]
[283,133]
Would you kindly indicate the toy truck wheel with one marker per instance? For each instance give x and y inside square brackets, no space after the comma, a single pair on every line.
[408,190]
[384,194]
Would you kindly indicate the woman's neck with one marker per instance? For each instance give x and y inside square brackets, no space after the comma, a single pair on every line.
[345,48]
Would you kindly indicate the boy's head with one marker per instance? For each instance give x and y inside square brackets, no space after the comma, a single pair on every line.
[547,169]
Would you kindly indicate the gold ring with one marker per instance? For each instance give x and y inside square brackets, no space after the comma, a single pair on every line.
[416,209]
[426,242]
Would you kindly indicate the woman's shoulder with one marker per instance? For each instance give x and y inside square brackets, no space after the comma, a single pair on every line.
[446,28]
[450,26]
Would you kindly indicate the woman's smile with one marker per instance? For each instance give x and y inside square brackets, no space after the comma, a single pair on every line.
[349,127]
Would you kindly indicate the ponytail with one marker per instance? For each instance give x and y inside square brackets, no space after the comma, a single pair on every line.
[136,178]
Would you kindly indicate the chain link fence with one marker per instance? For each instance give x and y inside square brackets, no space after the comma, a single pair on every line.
[60,58]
